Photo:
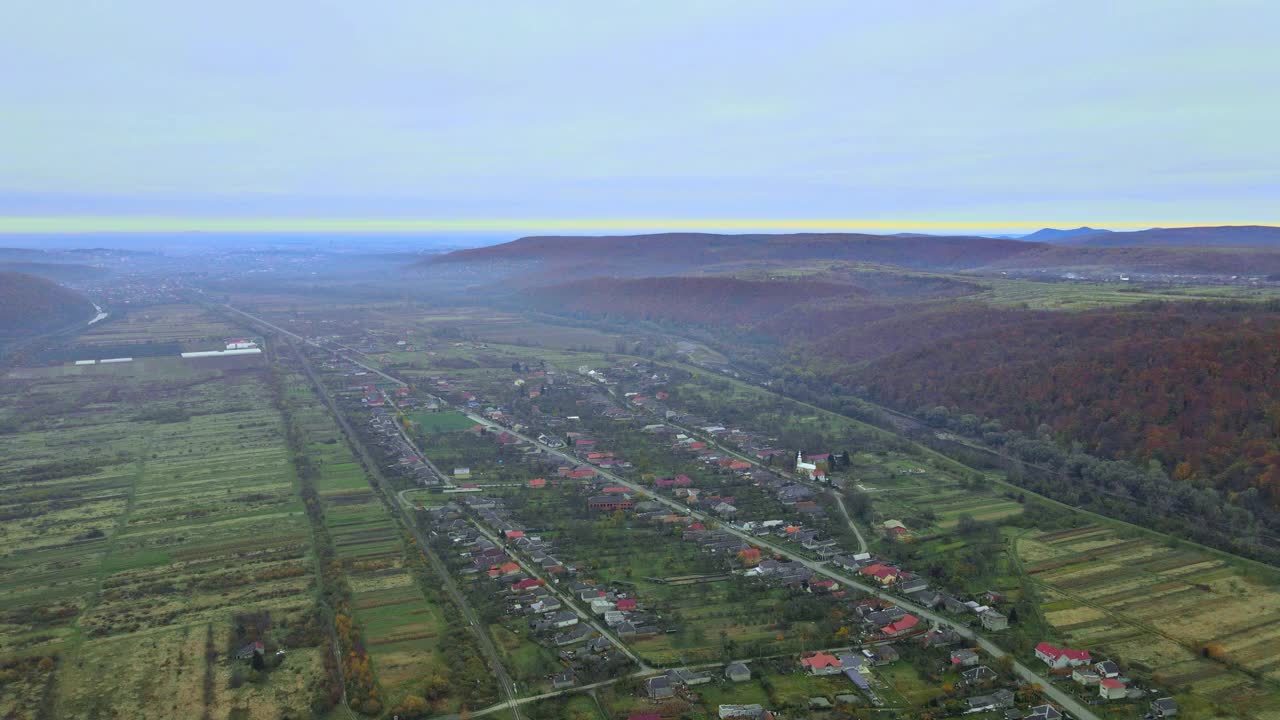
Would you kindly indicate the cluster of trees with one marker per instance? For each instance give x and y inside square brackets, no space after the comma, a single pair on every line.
[1190,386]
[1141,493]
[362,691]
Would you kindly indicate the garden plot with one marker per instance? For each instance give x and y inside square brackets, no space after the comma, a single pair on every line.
[1162,606]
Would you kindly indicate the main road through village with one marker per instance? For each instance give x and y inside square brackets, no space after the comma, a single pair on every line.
[1063,699]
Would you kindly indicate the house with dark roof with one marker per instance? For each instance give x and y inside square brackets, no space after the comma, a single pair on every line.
[610,503]
[575,634]
[1043,712]
[1002,698]
[993,620]
[685,676]
[979,675]
[659,688]
[1085,676]
[248,651]
[737,672]
[913,585]
[1164,708]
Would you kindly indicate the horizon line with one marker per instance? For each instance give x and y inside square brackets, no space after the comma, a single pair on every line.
[145,224]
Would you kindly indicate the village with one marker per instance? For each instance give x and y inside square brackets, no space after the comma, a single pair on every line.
[756,511]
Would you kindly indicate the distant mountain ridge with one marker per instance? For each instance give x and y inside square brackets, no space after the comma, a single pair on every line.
[551,260]
[30,305]
[1224,236]
[1052,235]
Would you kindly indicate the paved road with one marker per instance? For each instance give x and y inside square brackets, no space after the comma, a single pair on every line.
[1066,701]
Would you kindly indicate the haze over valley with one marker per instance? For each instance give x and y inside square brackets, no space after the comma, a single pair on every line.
[671,361]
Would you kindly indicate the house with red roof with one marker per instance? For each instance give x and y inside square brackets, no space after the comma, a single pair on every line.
[906,624]
[525,584]
[883,574]
[626,604]
[504,569]
[1061,658]
[823,586]
[1111,689]
[538,483]
[821,663]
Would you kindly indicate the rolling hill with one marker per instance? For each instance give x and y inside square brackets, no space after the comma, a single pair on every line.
[58,272]
[30,304]
[550,260]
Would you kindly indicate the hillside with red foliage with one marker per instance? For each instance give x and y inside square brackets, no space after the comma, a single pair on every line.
[30,304]
[1191,385]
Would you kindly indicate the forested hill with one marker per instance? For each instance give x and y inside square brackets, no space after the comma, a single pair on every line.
[30,304]
[676,253]
[549,260]
[1193,386]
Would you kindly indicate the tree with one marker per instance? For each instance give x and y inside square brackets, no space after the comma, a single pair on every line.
[412,708]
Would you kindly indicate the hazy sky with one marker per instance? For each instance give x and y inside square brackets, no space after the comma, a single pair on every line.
[999,114]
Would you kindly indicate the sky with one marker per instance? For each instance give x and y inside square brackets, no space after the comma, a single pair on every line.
[736,115]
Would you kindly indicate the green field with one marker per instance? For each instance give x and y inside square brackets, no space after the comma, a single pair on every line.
[134,538]
[448,421]
[400,626]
